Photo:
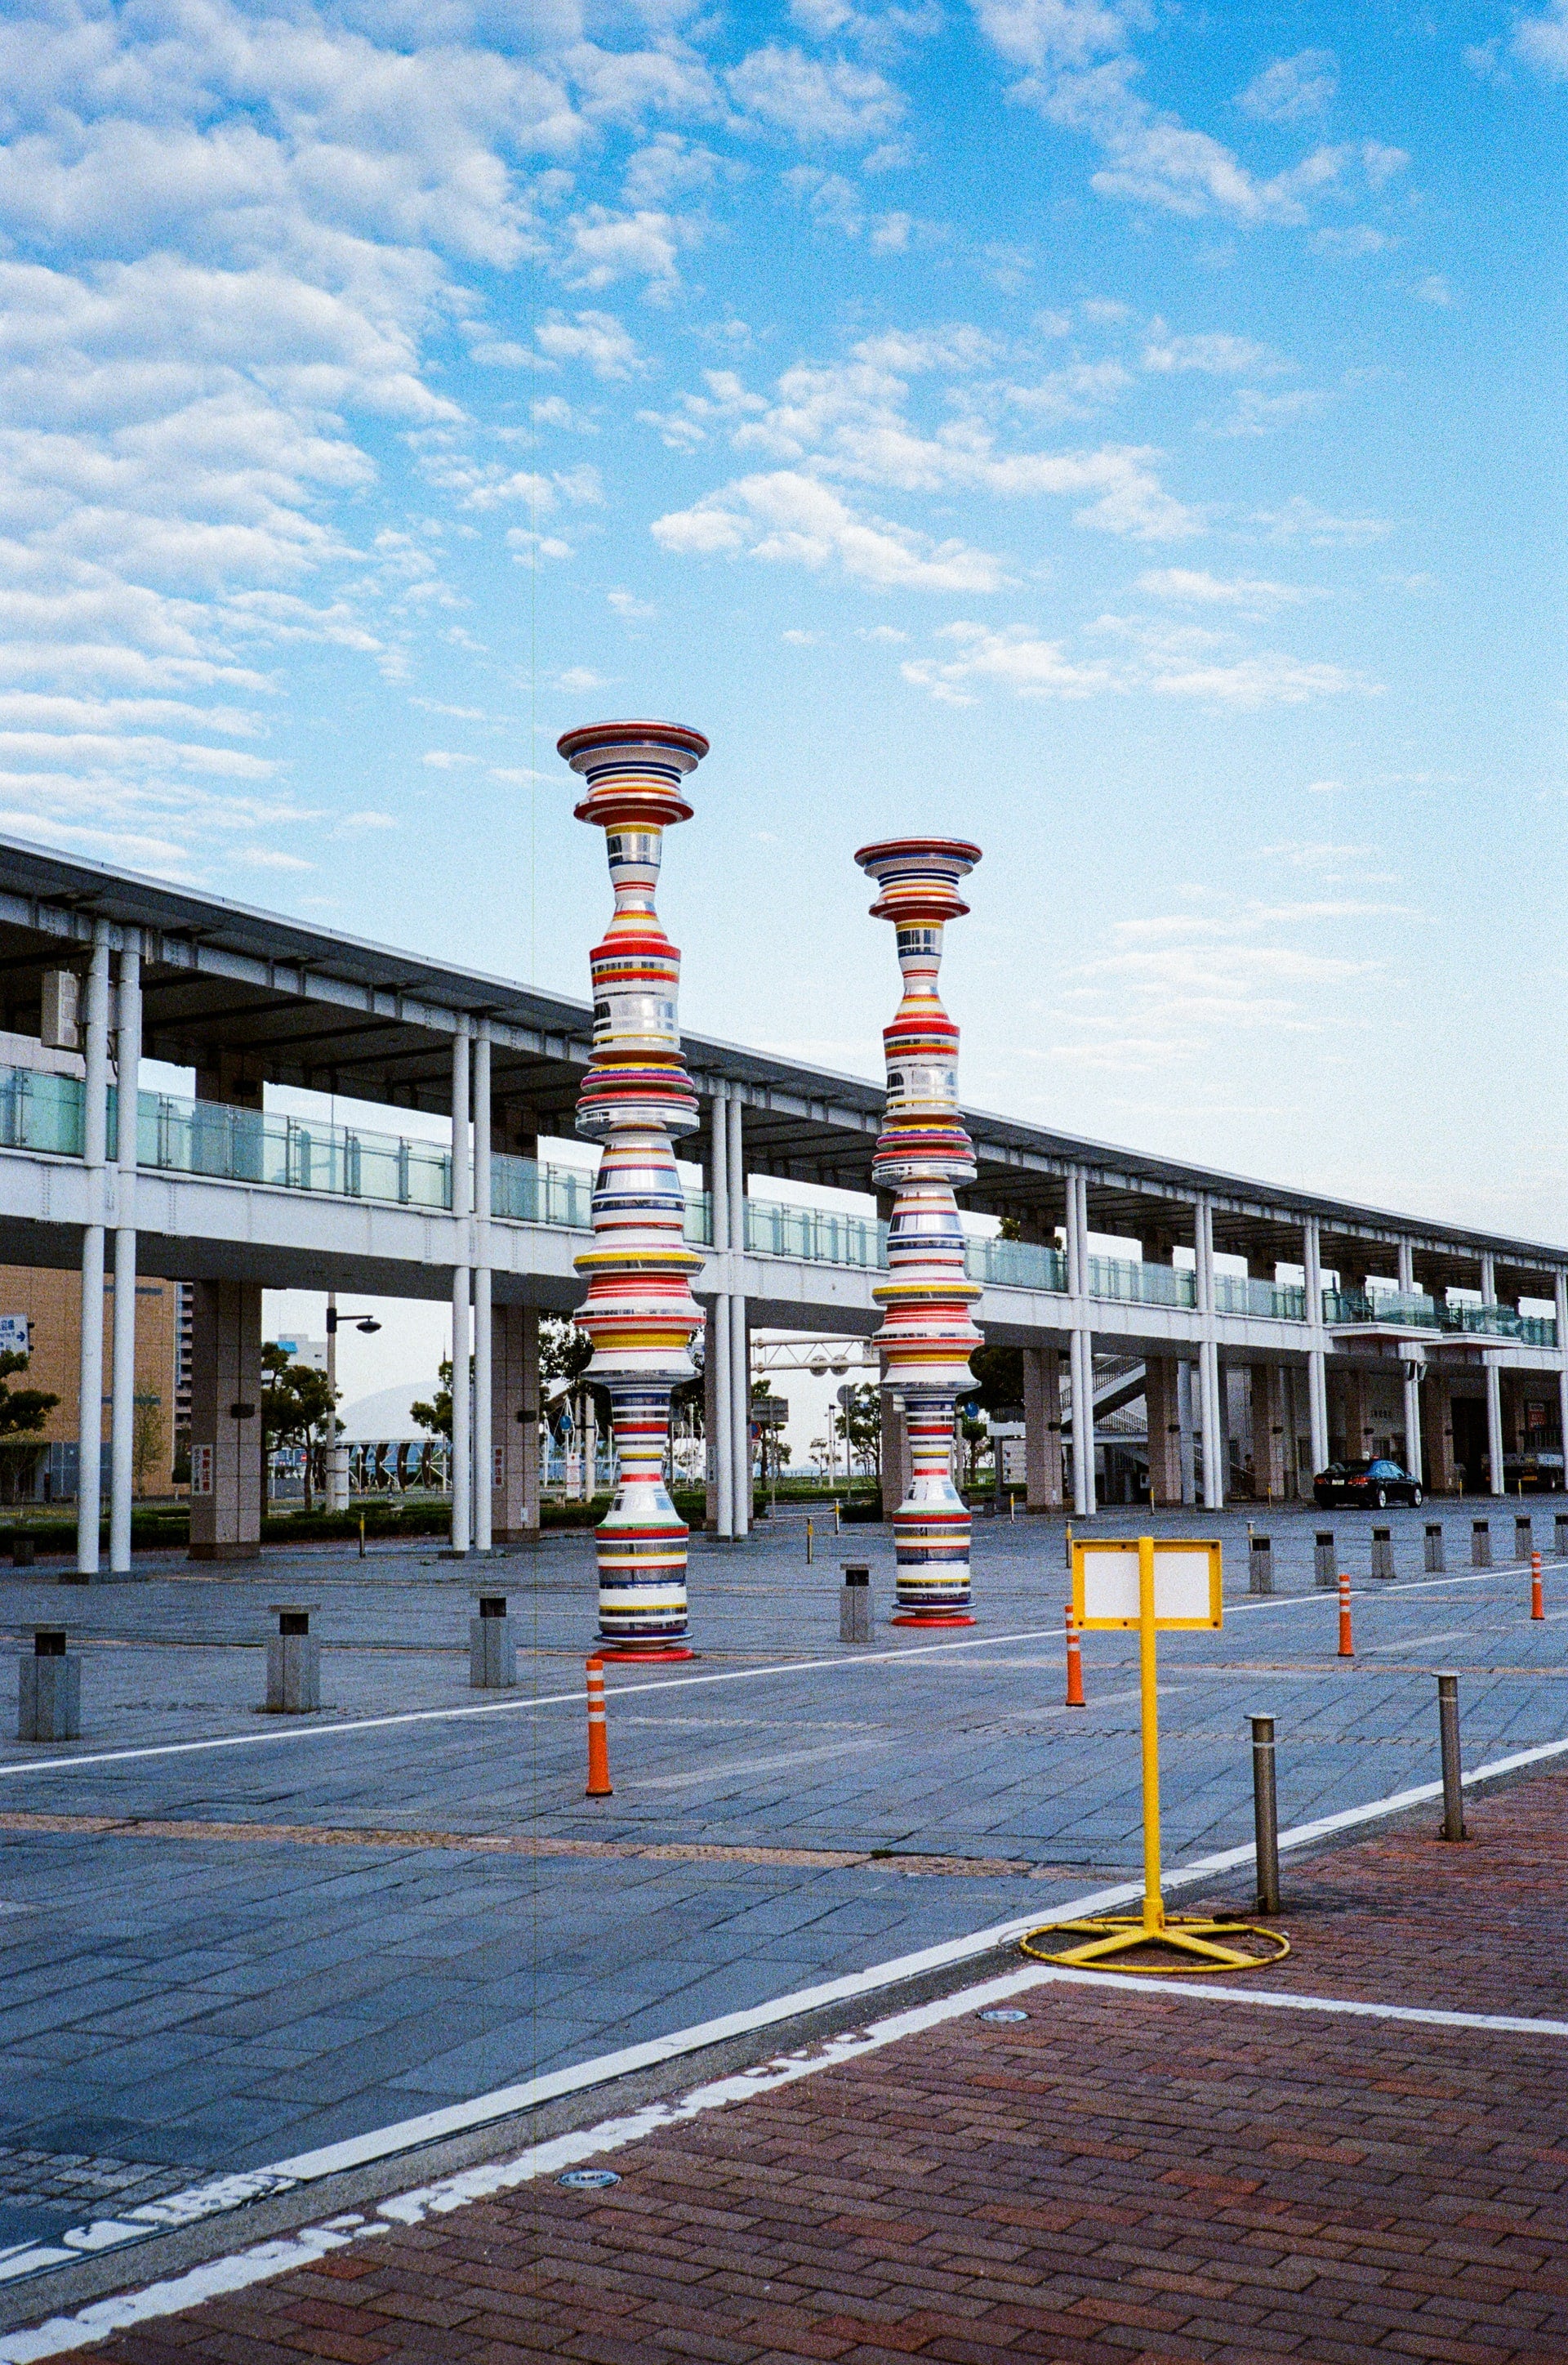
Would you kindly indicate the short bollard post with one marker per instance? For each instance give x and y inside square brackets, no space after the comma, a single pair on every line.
[1537,1598]
[1560,1535]
[1347,1647]
[1260,1565]
[1480,1543]
[1074,1662]
[1323,1568]
[854,1603]
[837,1523]
[23,1549]
[810,1538]
[362,1535]
[492,1646]
[1383,1552]
[48,1689]
[1265,1814]
[598,1785]
[1011,1510]
[1524,1536]
[1448,1735]
[1434,1560]
[293,1662]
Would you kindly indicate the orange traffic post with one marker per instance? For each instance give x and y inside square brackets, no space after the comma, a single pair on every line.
[1347,1647]
[1537,1600]
[1074,1662]
[599,1784]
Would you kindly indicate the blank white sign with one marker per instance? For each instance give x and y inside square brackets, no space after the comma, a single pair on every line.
[1181,1585]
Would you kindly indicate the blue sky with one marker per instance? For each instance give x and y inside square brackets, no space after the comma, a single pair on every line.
[1129,436]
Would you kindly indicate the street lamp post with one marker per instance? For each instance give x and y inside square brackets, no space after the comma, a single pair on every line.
[338,1454]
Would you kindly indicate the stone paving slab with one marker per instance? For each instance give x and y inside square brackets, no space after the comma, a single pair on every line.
[1129,2176]
[218,1958]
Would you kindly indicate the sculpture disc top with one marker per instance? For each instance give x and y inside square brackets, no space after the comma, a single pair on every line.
[919,878]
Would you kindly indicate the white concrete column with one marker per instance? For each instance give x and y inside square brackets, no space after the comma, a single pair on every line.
[740,1353]
[1561,1294]
[122,1376]
[1316,1359]
[95,1148]
[1081,1354]
[1210,1420]
[1407,1254]
[484,1442]
[1042,1427]
[1186,1382]
[1497,1482]
[720,1441]
[461,1283]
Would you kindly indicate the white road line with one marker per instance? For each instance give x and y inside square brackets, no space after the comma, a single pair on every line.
[267,2260]
[509,2101]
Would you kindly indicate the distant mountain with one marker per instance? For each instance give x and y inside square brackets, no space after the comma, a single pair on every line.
[376,1420]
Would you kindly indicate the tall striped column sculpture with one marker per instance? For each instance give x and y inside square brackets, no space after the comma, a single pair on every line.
[922,1151]
[639,1312]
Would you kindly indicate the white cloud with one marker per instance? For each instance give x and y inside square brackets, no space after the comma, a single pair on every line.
[1542,41]
[790,517]
[1074,67]
[1434,289]
[595,339]
[1014,658]
[813,99]
[1171,663]
[1299,519]
[629,607]
[1291,88]
[605,247]
[1249,595]
[1217,354]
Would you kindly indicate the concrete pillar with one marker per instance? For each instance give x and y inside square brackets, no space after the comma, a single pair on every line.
[1042,1427]
[1080,1345]
[462,1286]
[1495,1481]
[226,1420]
[1186,1395]
[721,1435]
[1413,1442]
[95,1148]
[1316,1359]
[1561,1294]
[1210,1413]
[1164,1418]
[710,1421]
[484,1333]
[1268,1427]
[1437,1429]
[513,1476]
[122,1380]
[898,1471]
[740,1338]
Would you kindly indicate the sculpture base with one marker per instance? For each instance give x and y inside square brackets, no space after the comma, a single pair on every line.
[642,1653]
[931,1618]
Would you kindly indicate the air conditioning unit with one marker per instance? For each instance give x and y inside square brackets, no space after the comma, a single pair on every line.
[62,999]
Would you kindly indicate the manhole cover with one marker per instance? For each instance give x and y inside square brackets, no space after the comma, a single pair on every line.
[587,2180]
[1005,2012]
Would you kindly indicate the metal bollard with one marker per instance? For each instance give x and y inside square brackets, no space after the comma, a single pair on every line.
[24,1550]
[1560,1535]
[1323,1567]
[48,1689]
[1383,1552]
[1524,1536]
[1434,1561]
[811,1540]
[855,1604]
[492,1646]
[1265,1814]
[1011,1510]
[1448,1735]
[1259,1564]
[293,1662]
[1480,1543]
[599,1784]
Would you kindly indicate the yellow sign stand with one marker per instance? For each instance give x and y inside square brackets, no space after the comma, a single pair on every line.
[1173,1587]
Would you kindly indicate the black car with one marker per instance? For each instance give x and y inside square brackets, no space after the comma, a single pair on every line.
[1367,1486]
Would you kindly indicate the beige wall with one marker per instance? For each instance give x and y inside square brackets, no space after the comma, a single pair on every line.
[52,1302]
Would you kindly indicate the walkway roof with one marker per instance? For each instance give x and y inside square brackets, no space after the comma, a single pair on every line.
[262,998]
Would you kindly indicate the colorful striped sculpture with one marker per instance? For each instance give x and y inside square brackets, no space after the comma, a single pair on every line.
[639,1312]
[922,1151]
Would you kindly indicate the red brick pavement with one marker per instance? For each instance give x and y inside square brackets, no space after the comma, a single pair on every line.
[1124,2176]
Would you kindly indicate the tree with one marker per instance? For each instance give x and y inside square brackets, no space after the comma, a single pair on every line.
[861,1424]
[435,1416]
[23,1412]
[564,1352]
[297,1404]
[146,1438]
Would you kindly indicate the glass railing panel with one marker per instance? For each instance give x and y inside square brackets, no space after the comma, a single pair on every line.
[1017,1264]
[699,1218]
[1483,1322]
[1133,1283]
[1538,1330]
[1236,1293]
[38,1111]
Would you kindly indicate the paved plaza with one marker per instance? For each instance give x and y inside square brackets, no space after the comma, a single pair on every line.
[281,1933]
